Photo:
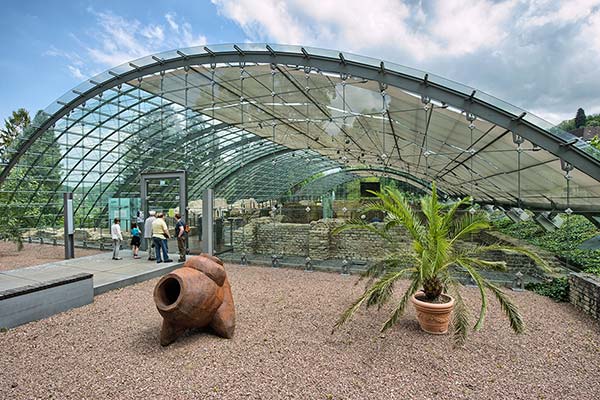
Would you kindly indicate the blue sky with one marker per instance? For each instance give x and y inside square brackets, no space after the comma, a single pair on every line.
[541,55]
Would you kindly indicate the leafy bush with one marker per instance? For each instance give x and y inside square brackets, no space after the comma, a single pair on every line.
[563,242]
[557,289]
[593,270]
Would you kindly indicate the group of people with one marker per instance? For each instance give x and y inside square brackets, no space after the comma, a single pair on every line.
[156,234]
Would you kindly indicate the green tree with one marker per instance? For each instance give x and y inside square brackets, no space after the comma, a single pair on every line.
[567,125]
[593,120]
[30,193]
[14,126]
[580,118]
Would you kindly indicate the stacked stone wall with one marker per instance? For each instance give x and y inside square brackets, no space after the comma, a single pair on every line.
[266,237]
[366,245]
[584,293]
[244,239]
[263,236]
[319,241]
[518,262]
[279,238]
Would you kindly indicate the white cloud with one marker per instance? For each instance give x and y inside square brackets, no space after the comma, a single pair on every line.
[590,32]
[154,32]
[466,26]
[267,18]
[170,17]
[537,54]
[543,12]
[76,72]
[115,39]
[450,27]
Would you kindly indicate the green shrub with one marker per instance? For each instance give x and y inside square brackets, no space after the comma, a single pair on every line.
[563,242]
[593,270]
[557,289]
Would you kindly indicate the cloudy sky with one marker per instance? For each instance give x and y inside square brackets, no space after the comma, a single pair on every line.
[541,55]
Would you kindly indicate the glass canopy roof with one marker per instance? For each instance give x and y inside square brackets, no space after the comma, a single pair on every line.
[257,121]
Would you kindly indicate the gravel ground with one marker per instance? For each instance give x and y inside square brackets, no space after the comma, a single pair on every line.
[34,254]
[283,348]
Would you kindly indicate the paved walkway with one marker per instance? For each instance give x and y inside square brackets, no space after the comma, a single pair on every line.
[108,274]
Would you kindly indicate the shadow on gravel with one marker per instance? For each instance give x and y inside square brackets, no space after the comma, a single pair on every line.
[146,341]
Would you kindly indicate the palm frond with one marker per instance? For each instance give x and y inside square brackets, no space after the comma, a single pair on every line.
[384,287]
[398,207]
[540,262]
[466,225]
[401,307]
[512,313]
[373,271]
[349,312]
[448,218]
[378,293]
[435,241]
[460,317]
[485,264]
[378,268]
[481,284]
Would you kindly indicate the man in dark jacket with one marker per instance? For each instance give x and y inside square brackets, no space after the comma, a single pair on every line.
[180,234]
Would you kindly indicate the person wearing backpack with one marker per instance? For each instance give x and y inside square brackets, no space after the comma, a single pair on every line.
[136,240]
[181,234]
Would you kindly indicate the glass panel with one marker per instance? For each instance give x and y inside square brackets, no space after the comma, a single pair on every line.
[99,149]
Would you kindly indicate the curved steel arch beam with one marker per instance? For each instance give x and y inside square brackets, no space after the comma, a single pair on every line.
[55,141]
[223,168]
[186,139]
[461,97]
[324,184]
[240,164]
[90,150]
[387,170]
[94,148]
[279,184]
[205,178]
[239,191]
[348,176]
[196,186]
[146,164]
[234,174]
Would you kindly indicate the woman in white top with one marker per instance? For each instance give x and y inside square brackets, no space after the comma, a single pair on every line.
[117,238]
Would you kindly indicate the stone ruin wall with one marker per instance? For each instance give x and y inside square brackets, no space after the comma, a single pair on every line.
[263,236]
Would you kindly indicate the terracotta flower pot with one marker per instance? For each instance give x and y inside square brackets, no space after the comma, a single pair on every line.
[433,318]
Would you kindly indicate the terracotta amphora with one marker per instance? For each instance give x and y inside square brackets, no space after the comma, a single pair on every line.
[197,295]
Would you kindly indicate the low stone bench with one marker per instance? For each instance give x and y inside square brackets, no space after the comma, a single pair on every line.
[40,300]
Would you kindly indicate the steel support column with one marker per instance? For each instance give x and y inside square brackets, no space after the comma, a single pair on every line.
[208,201]
[69,226]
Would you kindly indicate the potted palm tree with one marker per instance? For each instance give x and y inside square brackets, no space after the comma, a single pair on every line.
[433,265]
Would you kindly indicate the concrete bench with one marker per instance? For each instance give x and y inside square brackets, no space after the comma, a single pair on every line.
[40,300]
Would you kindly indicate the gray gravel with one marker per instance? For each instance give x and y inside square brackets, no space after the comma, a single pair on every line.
[283,348]
[35,254]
